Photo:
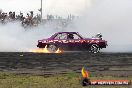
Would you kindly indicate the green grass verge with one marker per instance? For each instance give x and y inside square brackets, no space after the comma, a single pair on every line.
[70,80]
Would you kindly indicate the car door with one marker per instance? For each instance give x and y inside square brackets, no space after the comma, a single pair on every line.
[61,40]
[74,42]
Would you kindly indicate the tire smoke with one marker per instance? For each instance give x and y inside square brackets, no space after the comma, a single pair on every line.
[112,18]
[15,38]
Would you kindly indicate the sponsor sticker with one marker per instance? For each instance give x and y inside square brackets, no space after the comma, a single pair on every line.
[86,81]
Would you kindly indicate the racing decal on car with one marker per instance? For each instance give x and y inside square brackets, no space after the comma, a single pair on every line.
[65,41]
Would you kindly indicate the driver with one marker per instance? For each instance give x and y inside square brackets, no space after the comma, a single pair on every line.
[70,36]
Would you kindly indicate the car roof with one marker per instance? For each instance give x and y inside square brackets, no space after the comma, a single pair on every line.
[68,32]
[65,32]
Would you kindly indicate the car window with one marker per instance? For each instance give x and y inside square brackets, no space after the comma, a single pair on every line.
[61,36]
[76,36]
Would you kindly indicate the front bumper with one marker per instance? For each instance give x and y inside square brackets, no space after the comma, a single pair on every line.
[103,44]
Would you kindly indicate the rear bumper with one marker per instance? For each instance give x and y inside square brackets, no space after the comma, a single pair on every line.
[41,45]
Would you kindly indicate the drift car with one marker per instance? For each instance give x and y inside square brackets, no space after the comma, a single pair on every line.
[72,41]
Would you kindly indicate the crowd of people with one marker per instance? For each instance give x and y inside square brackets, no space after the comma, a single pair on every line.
[30,19]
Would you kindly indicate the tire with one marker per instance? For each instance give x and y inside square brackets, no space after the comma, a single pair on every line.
[94,48]
[52,48]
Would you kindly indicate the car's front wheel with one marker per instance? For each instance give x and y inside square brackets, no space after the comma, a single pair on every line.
[94,48]
[52,48]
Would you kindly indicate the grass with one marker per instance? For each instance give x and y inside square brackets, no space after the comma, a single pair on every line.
[70,80]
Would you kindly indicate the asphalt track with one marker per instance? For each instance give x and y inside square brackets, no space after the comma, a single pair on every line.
[116,64]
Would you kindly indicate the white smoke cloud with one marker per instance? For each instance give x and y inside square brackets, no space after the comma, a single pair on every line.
[113,18]
[15,38]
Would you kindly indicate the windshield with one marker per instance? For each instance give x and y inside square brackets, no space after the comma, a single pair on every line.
[53,35]
[80,35]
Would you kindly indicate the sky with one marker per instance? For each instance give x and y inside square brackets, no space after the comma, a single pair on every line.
[56,7]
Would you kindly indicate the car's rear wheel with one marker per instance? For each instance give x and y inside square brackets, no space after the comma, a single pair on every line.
[94,48]
[52,48]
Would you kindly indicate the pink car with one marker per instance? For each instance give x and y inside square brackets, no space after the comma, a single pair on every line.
[72,41]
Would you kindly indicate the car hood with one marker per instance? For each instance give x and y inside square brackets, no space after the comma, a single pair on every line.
[92,38]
